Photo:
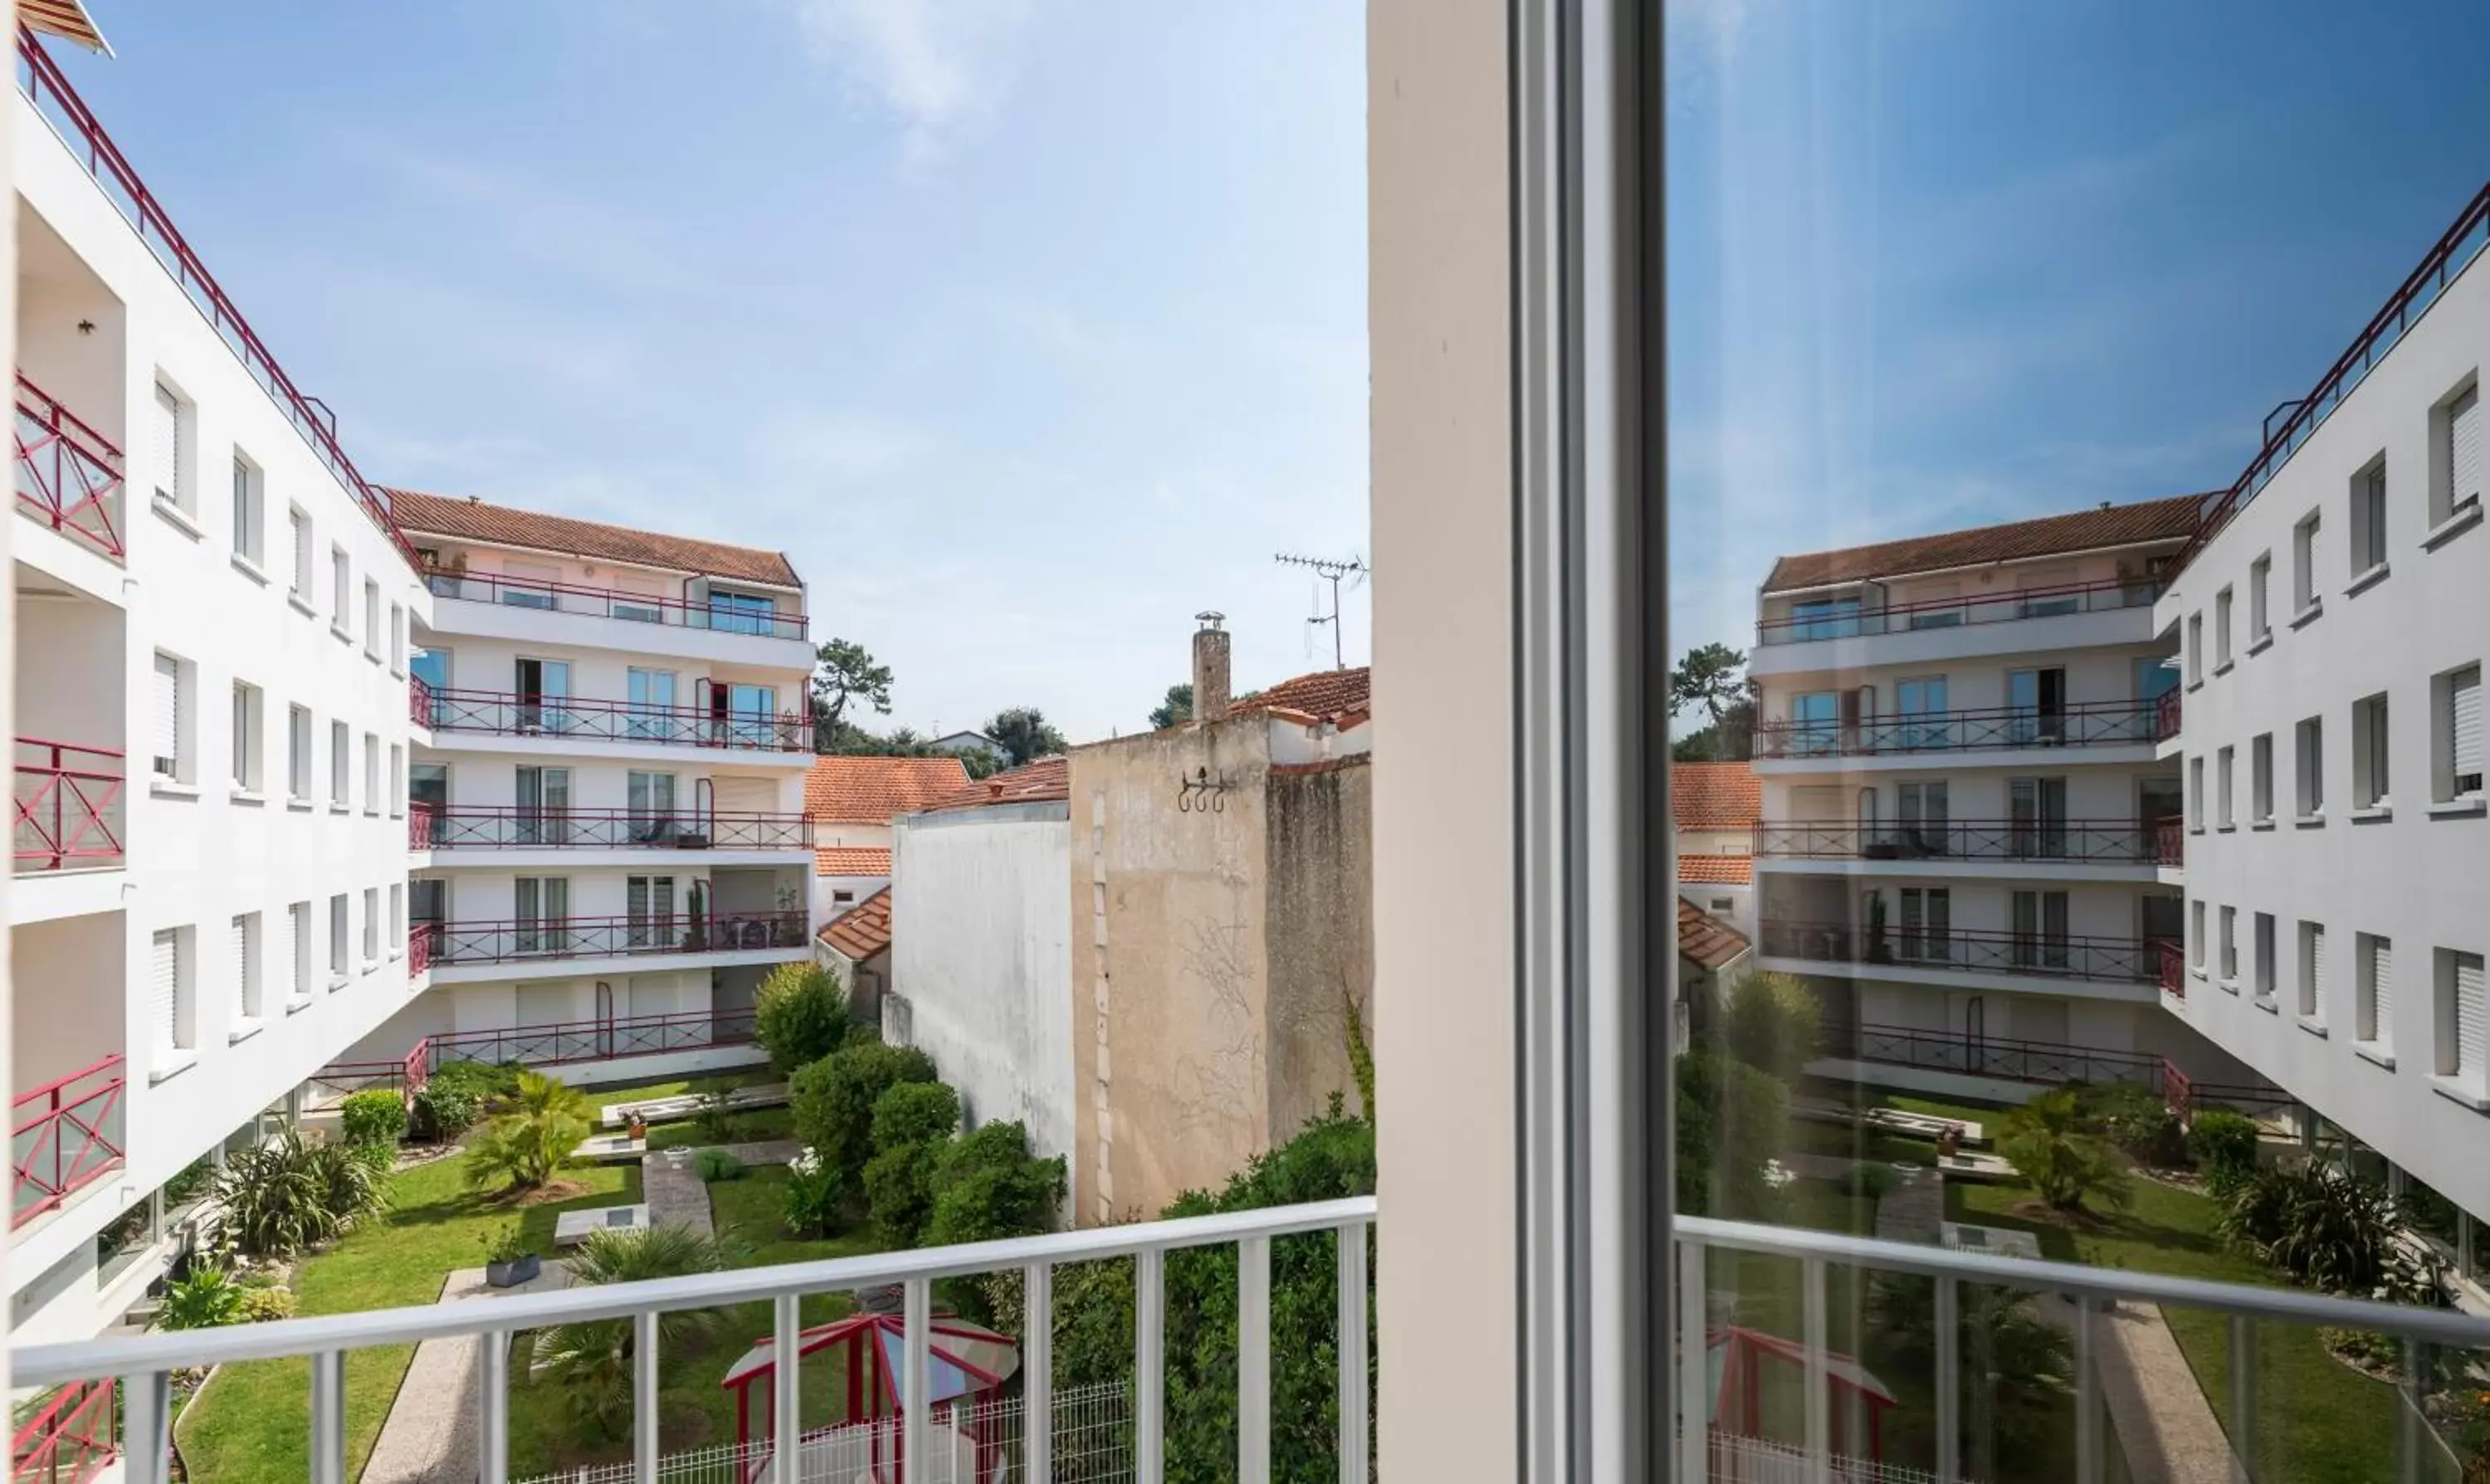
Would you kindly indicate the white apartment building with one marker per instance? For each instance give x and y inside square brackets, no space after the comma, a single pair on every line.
[2333,621]
[212,628]
[1963,799]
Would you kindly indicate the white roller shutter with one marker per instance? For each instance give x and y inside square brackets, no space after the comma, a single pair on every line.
[2381,985]
[2471,1019]
[166,441]
[165,989]
[2464,704]
[166,726]
[2464,451]
[242,966]
[2316,1001]
[296,978]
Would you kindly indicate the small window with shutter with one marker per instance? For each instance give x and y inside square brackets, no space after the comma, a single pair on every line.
[2463,1050]
[2375,1008]
[302,543]
[245,965]
[167,991]
[168,441]
[168,725]
[2312,973]
[297,949]
[2460,428]
[2460,733]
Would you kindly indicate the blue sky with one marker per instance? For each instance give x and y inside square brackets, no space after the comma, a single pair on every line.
[1028,330]
[1938,263]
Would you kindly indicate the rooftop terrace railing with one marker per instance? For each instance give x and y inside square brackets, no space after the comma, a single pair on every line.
[70,477]
[717,617]
[2048,603]
[2091,725]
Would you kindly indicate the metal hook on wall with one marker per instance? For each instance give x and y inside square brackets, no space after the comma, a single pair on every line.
[1202,793]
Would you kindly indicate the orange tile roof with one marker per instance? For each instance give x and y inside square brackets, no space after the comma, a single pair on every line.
[2172,519]
[851,860]
[1716,870]
[1706,939]
[474,520]
[1325,694]
[1715,796]
[870,790]
[1043,781]
[862,930]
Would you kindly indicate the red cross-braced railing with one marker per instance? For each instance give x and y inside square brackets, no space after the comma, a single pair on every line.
[518,714]
[552,1044]
[70,1439]
[2171,840]
[419,701]
[69,806]
[48,89]
[2165,715]
[418,949]
[68,475]
[556,938]
[2170,970]
[64,1135]
[524,827]
[729,613]
[1965,950]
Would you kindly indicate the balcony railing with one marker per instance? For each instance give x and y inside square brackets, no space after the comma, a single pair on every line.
[2093,724]
[2071,841]
[1964,951]
[69,806]
[2170,968]
[69,1440]
[553,938]
[418,949]
[614,603]
[558,1044]
[505,713]
[2165,715]
[1988,1056]
[68,475]
[473,827]
[50,92]
[63,1136]
[2047,603]
[2171,840]
[147,1362]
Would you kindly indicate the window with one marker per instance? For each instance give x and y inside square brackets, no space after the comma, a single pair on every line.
[2312,973]
[2196,794]
[297,753]
[2261,960]
[2463,1033]
[247,773]
[2456,735]
[297,949]
[1720,904]
[397,916]
[2223,629]
[648,902]
[338,939]
[2369,517]
[397,781]
[340,767]
[651,799]
[2261,778]
[2231,947]
[1923,818]
[527,584]
[2195,649]
[2196,936]
[544,805]
[2310,759]
[2370,752]
[371,619]
[652,697]
[250,540]
[170,725]
[2373,1014]
[752,707]
[542,904]
[169,426]
[2040,919]
[1927,922]
[247,969]
[637,600]
[1825,618]
[1815,721]
[341,582]
[302,545]
[2222,792]
[398,639]
[371,925]
[169,990]
[741,613]
[371,773]
[2455,455]
[2304,564]
[2260,614]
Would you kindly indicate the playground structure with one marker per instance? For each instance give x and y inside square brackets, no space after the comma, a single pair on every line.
[966,1366]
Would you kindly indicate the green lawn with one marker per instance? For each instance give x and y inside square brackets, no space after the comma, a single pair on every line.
[753,1127]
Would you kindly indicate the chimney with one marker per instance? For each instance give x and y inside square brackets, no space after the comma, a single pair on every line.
[1210,668]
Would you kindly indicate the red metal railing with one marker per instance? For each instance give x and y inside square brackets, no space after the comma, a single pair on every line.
[2165,715]
[419,701]
[52,97]
[418,949]
[2091,725]
[614,603]
[71,1439]
[545,1045]
[2170,972]
[2053,601]
[65,1135]
[1988,1056]
[1964,951]
[419,826]
[2171,840]
[2421,288]
[556,938]
[68,475]
[69,806]
[2178,1093]
[509,713]
[2069,841]
[463,827]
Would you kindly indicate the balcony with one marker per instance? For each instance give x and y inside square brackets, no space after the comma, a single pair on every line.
[2108,597]
[2165,716]
[73,1437]
[69,807]
[2049,1063]
[2170,842]
[1967,951]
[472,826]
[68,475]
[65,1136]
[570,719]
[2115,842]
[529,941]
[2170,969]
[613,603]
[560,1044]
[2095,724]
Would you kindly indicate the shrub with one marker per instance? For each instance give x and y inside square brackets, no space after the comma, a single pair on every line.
[715,1165]
[911,1124]
[1730,1119]
[2047,1141]
[374,1115]
[206,1299]
[505,1243]
[800,1015]
[2327,1230]
[590,1362]
[1864,1178]
[262,1304]
[2016,1369]
[489,1081]
[2134,1117]
[833,1101]
[985,1185]
[523,1147]
[1775,1024]
[2224,1146]
[439,1113]
[812,1196]
[290,1194]
[194,1179]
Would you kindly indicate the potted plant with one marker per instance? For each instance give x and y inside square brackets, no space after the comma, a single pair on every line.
[508,1261]
[637,1126]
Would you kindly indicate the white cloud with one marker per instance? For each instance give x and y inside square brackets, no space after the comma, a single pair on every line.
[937,66]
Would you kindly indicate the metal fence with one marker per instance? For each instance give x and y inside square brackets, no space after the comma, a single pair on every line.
[483,826]
[68,475]
[1964,951]
[2074,841]
[2093,724]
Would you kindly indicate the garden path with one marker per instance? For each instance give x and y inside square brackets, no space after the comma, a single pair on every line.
[677,1195]
[2165,1426]
[430,1435]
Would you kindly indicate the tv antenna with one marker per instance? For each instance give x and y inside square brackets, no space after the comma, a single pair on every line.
[1354,568]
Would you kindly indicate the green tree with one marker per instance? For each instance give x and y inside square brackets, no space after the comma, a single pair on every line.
[911,1122]
[1712,677]
[530,1136]
[800,1015]
[1022,734]
[1731,1118]
[833,1101]
[1775,1024]
[1177,707]
[2051,1145]
[2016,1369]
[589,1361]
[986,1185]
[844,672]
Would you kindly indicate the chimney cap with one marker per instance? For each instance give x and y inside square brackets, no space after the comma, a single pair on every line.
[1210,618]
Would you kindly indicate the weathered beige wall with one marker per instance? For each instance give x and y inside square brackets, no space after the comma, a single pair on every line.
[1169,1049]
[1320,942]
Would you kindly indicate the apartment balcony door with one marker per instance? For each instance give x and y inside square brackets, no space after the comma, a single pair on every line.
[652,697]
[2037,808]
[428,784]
[428,906]
[1918,699]
[2037,699]
[1927,923]
[651,802]
[543,684]
[432,667]
[544,806]
[541,904]
[1924,829]
[2041,930]
[1975,1031]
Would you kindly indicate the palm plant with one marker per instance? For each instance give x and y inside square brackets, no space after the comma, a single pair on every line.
[203,1301]
[530,1136]
[2050,1143]
[291,1193]
[2018,1369]
[2330,1231]
[589,1361]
